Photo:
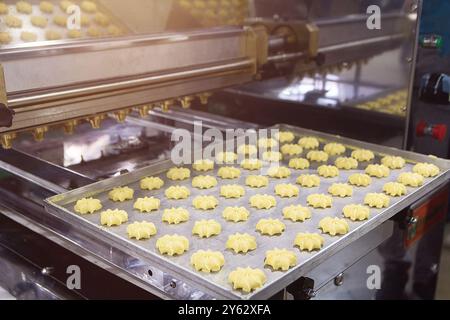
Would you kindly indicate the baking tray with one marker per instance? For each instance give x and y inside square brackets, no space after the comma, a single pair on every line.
[216,284]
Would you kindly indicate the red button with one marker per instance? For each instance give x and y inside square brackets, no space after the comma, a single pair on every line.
[440,131]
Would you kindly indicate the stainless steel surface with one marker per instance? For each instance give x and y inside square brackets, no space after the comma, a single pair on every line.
[216,284]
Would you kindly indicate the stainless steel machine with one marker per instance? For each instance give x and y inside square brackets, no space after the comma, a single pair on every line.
[96,108]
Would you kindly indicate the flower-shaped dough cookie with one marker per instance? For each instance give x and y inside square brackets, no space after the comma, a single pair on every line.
[411,179]
[206,228]
[393,162]
[141,230]
[286,190]
[204,182]
[272,156]
[263,201]
[207,261]
[328,171]
[319,156]
[178,174]
[87,205]
[247,279]
[229,173]
[296,213]
[147,204]
[257,181]
[346,163]
[24,7]
[172,244]
[235,214]
[340,190]
[226,157]
[251,164]
[309,241]
[241,242]
[175,215]
[113,217]
[377,200]
[151,183]
[205,202]
[363,155]
[88,6]
[280,259]
[46,7]
[267,143]
[247,149]
[203,165]
[333,226]
[285,136]
[356,212]
[270,227]
[319,201]
[308,180]
[394,189]
[39,21]
[121,194]
[291,149]
[232,191]
[299,164]
[360,180]
[177,192]
[426,170]
[309,142]
[278,172]
[334,149]
[378,170]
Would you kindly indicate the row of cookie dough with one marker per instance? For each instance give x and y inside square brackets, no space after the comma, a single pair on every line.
[47,7]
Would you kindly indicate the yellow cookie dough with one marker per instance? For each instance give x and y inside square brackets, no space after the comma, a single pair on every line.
[286,190]
[65,4]
[175,215]
[328,171]
[309,142]
[257,181]
[205,202]
[394,189]
[251,164]
[309,241]
[226,157]
[147,204]
[346,163]
[178,174]
[299,164]
[46,7]
[3,8]
[172,244]
[13,22]
[235,214]
[88,6]
[308,180]
[52,35]
[87,205]
[206,228]
[279,172]
[229,173]
[377,200]
[60,20]
[426,170]
[27,36]
[141,230]
[340,190]
[363,155]
[204,182]
[333,226]
[232,191]
[151,183]
[177,192]
[203,165]
[360,180]
[74,34]
[410,179]
[272,156]
[85,21]
[319,156]
[270,227]
[247,279]
[5,38]
[393,162]
[94,32]
[263,201]
[267,143]
[101,19]
[378,170]
[24,7]
[241,242]
[121,194]
[319,201]
[285,136]
[113,217]
[296,213]
[280,259]
[356,212]
[291,149]
[334,149]
[247,149]
[207,261]
[39,21]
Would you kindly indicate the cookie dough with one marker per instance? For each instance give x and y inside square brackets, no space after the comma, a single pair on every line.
[151,183]
[319,201]
[345,163]
[3,8]
[411,179]
[247,149]
[46,7]
[247,279]
[334,226]
[206,228]
[308,180]
[378,170]
[235,214]
[175,215]
[24,7]
[309,241]
[27,36]
[257,181]
[241,242]
[280,259]
[377,200]
[178,174]
[121,194]
[13,22]
[232,191]
[272,156]
[141,230]
[74,34]
[94,32]
[113,217]
[204,182]
[51,35]
[226,157]
[267,143]
[60,21]
[270,227]
[207,261]
[285,136]
[203,165]
[39,21]
[356,212]
[328,171]
[360,180]
[309,142]
[426,170]
[65,4]
[340,190]
[299,164]
[393,162]
[279,172]
[286,190]
[89,6]
[5,38]
[334,149]
[85,21]
[205,202]
[147,204]
[229,173]
[101,19]
[87,205]
[291,149]
[363,155]
[319,156]
[172,244]
[177,192]
[263,201]
[251,164]
[296,213]
[394,189]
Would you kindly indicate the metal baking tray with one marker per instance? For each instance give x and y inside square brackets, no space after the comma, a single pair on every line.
[216,284]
